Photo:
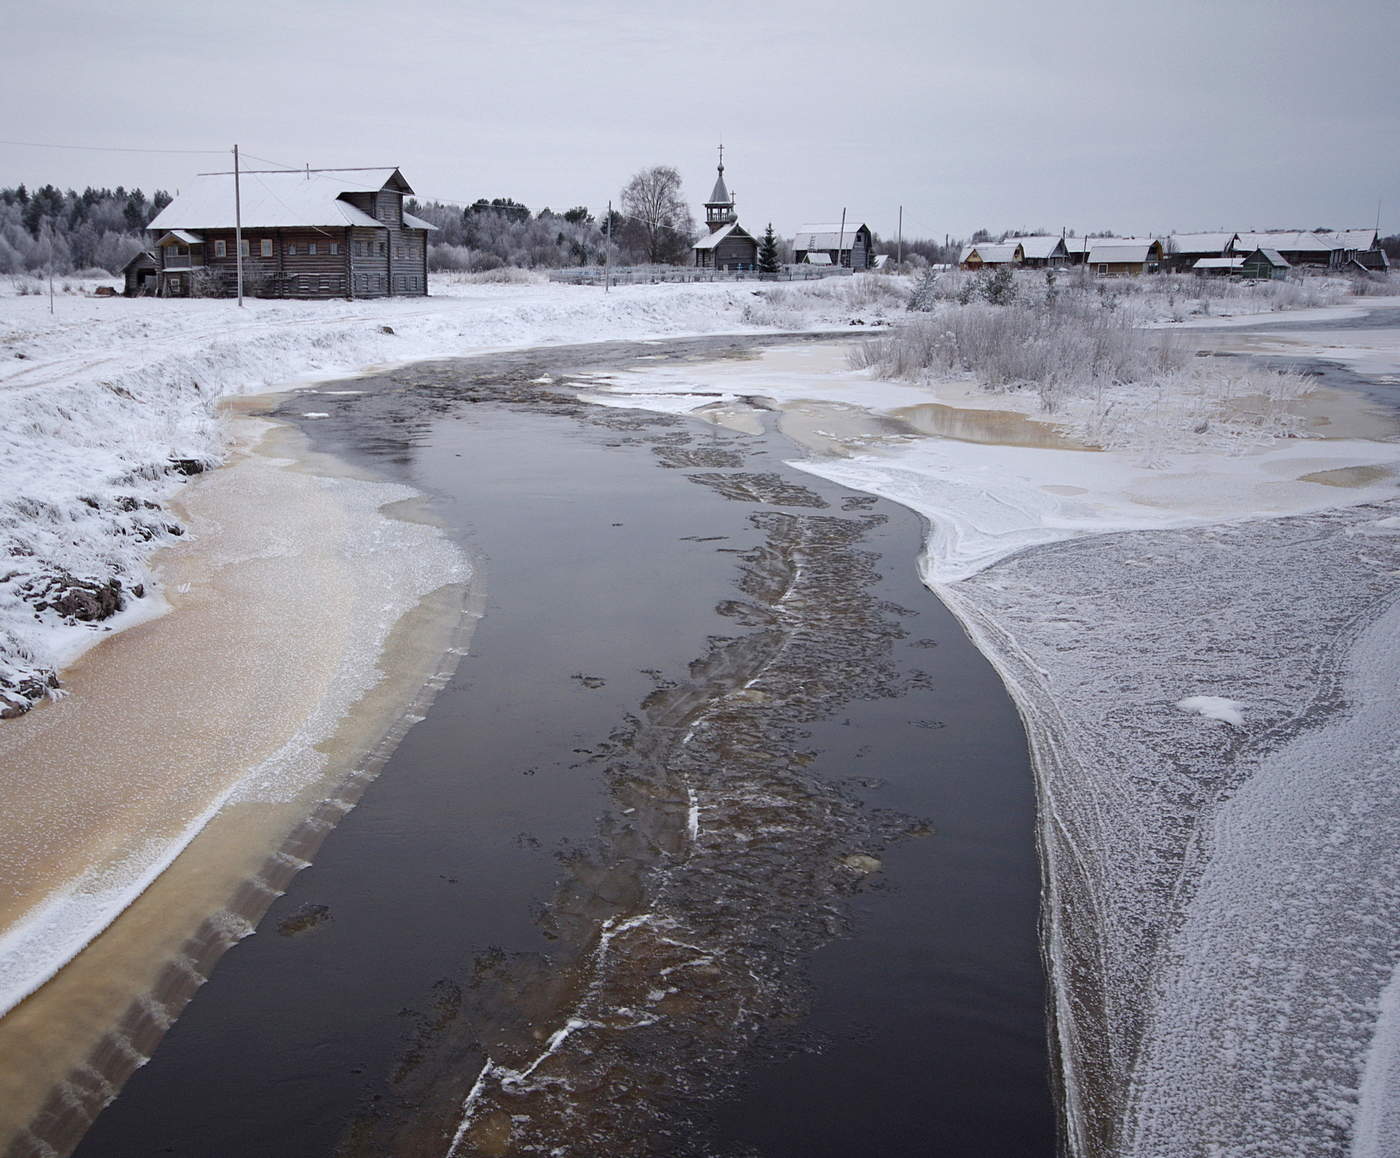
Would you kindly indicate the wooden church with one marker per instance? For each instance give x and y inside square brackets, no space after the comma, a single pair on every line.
[729,246]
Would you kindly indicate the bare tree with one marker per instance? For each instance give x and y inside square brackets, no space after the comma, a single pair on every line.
[657,208]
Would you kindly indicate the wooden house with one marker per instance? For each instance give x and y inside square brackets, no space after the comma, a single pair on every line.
[1125,256]
[1184,250]
[851,246]
[306,234]
[1042,252]
[728,245]
[141,275]
[989,255]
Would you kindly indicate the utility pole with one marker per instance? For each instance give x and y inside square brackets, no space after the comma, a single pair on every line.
[607,249]
[899,260]
[238,226]
[51,271]
[841,239]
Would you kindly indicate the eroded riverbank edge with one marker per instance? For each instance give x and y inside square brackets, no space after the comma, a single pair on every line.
[203,756]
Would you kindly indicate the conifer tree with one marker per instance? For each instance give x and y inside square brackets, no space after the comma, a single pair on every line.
[768,252]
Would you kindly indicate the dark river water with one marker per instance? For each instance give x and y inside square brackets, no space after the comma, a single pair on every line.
[719,842]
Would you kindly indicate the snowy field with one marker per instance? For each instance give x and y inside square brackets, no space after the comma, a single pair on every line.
[1202,637]
[101,400]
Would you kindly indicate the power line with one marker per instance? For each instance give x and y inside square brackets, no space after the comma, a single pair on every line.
[110,148]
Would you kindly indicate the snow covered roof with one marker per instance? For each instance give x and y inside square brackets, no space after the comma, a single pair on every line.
[1117,252]
[733,229]
[1219,263]
[818,259]
[1040,246]
[1356,238]
[417,222]
[277,200]
[1290,240]
[181,237]
[1001,254]
[1273,257]
[1085,244]
[826,235]
[1207,243]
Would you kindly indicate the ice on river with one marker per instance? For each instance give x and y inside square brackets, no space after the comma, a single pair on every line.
[1203,648]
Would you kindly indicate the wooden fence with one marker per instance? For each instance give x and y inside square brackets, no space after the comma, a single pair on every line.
[654,274]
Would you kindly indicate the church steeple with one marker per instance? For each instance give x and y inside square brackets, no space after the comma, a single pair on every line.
[719,209]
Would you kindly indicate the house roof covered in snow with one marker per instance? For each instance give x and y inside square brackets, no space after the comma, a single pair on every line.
[1219,263]
[1006,251]
[826,235]
[1357,238]
[818,258]
[1040,246]
[1210,244]
[278,200]
[1291,241]
[1115,252]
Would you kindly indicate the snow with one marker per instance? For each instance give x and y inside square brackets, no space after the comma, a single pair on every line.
[97,399]
[1214,708]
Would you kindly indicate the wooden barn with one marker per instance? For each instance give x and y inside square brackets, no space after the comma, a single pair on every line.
[1264,263]
[141,275]
[316,233]
[728,245]
[851,247]
[1298,247]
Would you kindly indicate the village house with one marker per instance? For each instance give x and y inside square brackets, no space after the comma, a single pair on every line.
[1125,256]
[728,245]
[1185,250]
[989,255]
[1264,263]
[315,233]
[851,246]
[1042,252]
[141,275]
[1218,266]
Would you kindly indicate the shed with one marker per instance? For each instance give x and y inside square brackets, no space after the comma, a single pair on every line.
[140,275]
[1183,250]
[1264,263]
[1217,266]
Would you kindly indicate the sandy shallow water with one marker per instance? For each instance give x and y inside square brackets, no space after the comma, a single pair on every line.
[228,736]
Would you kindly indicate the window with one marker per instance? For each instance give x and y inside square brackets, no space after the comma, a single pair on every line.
[243,250]
[359,249]
[181,251]
[220,248]
[266,248]
[292,248]
[383,249]
[398,251]
[311,248]
[335,247]
[176,286]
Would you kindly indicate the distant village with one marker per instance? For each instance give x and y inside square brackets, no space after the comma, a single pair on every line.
[360,233]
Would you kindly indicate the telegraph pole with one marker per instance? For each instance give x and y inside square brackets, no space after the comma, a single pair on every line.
[238,226]
[607,250]
[841,240]
[900,259]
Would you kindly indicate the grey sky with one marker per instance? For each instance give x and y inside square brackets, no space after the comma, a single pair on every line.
[1131,116]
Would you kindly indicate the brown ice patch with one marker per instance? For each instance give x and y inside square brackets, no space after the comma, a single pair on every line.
[1348,476]
[990,427]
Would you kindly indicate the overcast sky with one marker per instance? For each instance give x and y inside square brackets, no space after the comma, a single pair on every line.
[1130,116]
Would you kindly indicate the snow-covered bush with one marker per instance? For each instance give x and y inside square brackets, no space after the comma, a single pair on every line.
[1088,361]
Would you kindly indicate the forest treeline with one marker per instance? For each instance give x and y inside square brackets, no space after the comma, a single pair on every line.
[97,230]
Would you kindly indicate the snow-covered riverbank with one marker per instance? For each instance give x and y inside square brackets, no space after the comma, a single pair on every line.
[1197,640]
[104,404]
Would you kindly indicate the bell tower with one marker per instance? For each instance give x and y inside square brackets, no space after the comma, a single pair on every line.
[719,209]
